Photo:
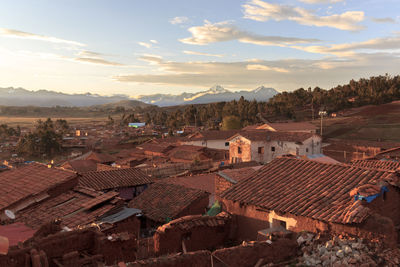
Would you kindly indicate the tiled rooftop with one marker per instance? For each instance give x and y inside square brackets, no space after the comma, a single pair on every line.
[126,177]
[213,135]
[69,208]
[377,164]
[81,165]
[163,201]
[29,180]
[306,188]
[203,182]
[274,136]
[237,175]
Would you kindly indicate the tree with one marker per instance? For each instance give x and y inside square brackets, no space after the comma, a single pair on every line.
[43,140]
[231,123]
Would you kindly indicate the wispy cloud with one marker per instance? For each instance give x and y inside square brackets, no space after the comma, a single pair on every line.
[188,52]
[97,61]
[321,1]
[263,11]
[225,31]
[350,49]
[147,45]
[383,20]
[281,74]
[179,20]
[265,68]
[154,41]
[32,36]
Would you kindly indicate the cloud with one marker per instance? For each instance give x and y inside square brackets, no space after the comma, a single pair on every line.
[265,68]
[188,52]
[321,1]
[383,20]
[225,31]
[98,61]
[350,49]
[86,53]
[154,41]
[152,59]
[32,36]
[263,11]
[147,45]
[281,74]
[179,20]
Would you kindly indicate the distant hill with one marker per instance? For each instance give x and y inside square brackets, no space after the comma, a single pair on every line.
[214,94]
[127,104]
[44,98]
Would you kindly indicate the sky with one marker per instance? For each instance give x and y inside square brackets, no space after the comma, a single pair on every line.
[135,47]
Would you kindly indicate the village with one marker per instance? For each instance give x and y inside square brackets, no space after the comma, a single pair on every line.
[270,194]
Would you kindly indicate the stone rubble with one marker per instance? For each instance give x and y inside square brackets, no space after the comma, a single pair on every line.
[341,251]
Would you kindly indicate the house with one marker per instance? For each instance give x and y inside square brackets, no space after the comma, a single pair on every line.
[97,157]
[210,139]
[302,127]
[31,183]
[302,195]
[264,146]
[204,182]
[150,149]
[80,166]
[161,203]
[382,164]
[227,178]
[350,150]
[75,208]
[189,153]
[129,182]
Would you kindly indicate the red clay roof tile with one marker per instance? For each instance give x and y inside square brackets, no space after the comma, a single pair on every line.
[117,178]
[28,181]
[307,188]
[162,201]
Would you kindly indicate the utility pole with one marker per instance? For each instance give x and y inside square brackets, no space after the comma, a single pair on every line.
[322,113]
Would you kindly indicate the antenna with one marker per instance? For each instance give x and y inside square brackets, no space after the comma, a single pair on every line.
[10,214]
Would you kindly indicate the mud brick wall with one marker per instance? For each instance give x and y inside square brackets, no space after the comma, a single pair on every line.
[197,238]
[193,259]
[221,184]
[123,248]
[249,254]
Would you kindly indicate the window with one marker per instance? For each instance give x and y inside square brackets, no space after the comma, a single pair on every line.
[261,150]
[226,143]
[239,150]
[307,150]
[278,223]
[272,148]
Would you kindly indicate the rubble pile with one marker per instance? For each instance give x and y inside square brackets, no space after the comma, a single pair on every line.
[344,251]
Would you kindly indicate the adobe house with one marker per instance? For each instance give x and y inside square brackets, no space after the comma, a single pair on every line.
[129,182]
[32,183]
[210,139]
[302,195]
[192,233]
[161,203]
[303,127]
[226,178]
[264,146]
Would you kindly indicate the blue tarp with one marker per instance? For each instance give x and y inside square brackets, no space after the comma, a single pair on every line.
[370,198]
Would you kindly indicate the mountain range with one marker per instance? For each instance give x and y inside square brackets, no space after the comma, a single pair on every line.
[214,94]
[43,98]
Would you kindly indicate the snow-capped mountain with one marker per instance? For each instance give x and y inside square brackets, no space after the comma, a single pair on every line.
[214,94]
[44,98]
